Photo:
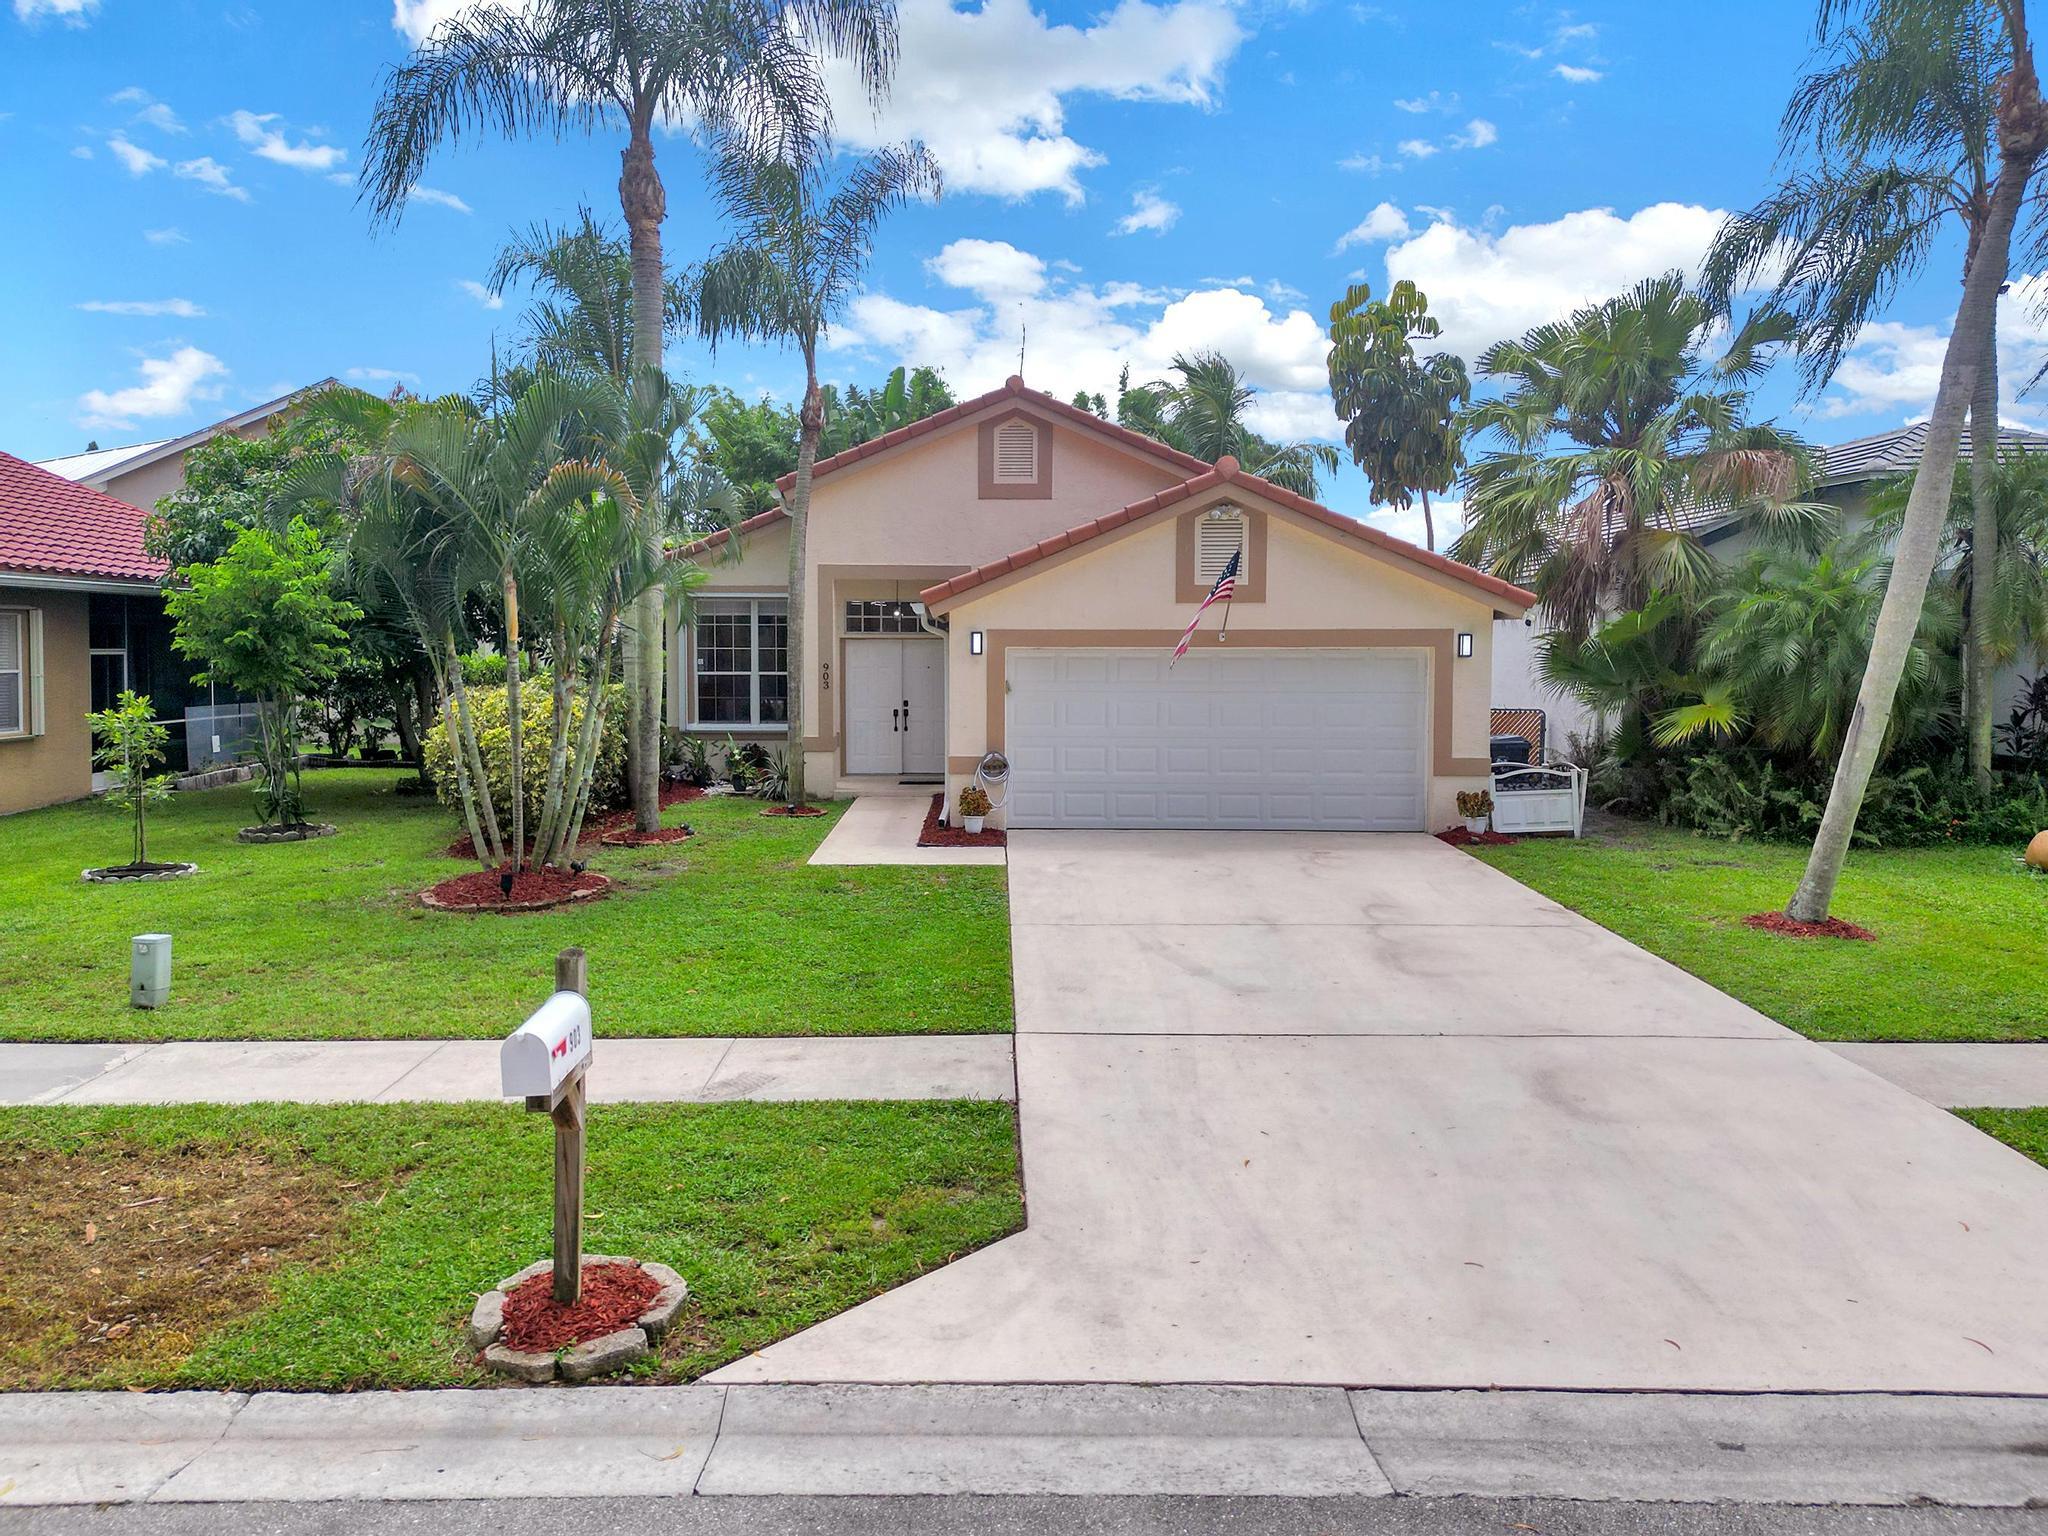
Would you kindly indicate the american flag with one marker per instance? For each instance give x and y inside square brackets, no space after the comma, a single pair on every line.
[1222,592]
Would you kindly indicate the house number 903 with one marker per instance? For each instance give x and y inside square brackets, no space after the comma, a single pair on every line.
[825,677]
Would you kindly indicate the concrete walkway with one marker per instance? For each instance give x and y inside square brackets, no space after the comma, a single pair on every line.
[1362,1111]
[451,1071]
[883,829]
[189,1447]
[1959,1076]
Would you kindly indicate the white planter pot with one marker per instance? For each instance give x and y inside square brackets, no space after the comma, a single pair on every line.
[971,823]
[1475,824]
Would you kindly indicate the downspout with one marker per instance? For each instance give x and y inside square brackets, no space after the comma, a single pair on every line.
[943,631]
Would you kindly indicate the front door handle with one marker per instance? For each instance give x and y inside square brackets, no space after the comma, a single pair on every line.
[895,720]
[906,714]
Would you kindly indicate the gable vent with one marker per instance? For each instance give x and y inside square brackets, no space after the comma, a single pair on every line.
[1216,540]
[1016,456]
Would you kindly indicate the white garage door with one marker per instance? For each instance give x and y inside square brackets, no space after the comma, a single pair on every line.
[1250,738]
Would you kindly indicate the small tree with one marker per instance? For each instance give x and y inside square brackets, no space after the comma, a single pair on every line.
[265,621]
[131,742]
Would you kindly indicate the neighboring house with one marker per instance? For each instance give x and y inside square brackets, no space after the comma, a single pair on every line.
[81,618]
[1010,575]
[1849,474]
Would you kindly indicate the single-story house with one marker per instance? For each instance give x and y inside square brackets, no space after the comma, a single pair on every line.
[1010,576]
[1849,473]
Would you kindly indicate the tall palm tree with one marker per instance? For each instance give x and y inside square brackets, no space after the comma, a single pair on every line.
[1616,434]
[581,317]
[1201,409]
[746,69]
[1900,131]
[796,260]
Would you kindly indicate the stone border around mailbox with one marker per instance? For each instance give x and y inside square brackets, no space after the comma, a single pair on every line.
[590,1359]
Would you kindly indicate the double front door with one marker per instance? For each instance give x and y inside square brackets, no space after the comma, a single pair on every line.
[895,705]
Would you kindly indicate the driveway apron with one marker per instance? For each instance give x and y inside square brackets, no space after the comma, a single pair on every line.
[1360,1110]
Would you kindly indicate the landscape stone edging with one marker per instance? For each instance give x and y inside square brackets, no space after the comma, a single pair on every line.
[100,876]
[304,832]
[580,1362]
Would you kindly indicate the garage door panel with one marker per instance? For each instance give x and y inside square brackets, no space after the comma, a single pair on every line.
[1256,738]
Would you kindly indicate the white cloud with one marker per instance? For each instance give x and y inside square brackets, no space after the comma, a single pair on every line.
[1385,222]
[1485,285]
[212,175]
[169,387]
[168,236]
[382,376]
[1448,516]
[1416,149]
[157,114]
[1478,134]
[1894,369]
[1368,165]
[270,143]
[438,198]
[992,269]
[1435,101]
[81,151]
[184,309]
[480,293]
[1578,74]
[1150,213]
[73,13]
[136,160]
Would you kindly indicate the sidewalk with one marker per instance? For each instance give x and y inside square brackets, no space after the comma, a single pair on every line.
[1959,1076]
[707,1070]
[883,829]
[121,1448]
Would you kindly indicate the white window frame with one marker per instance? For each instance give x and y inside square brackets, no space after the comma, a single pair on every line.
[753,722]
[30,674]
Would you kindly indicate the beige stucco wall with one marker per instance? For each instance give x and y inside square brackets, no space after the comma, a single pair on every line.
[56,765]
[1320,590]
[142,487]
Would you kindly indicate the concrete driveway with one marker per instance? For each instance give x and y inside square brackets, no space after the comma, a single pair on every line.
[1360,1110]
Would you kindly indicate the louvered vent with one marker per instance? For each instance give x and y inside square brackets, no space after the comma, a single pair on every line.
[1016,453]
[1216,540]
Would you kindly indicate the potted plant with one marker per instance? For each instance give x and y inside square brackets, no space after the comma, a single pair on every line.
[1475,805]
[973,807]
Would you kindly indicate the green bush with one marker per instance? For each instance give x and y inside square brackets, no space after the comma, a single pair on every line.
[1909,805]
[537,715]
[484,669]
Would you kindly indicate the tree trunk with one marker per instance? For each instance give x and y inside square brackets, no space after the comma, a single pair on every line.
[401,720]
[2023,131]
[1983,639]
[1428,523]
[811,424]
[514,726]
[469,764]
[425,690]
[645,203]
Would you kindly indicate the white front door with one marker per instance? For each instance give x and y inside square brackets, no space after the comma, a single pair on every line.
[895,705]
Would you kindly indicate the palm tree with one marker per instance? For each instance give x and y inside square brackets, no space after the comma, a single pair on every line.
[1901,124]
[581,318]
[744,69]
[1617,435]
[797,260]
[907,395]
[1201,410]
[1400,413]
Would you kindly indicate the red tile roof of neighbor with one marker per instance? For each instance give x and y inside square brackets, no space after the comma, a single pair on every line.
[1226,471]
[50,526]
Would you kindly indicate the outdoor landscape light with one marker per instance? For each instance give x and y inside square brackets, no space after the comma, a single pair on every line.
[1464,643]
[975,642]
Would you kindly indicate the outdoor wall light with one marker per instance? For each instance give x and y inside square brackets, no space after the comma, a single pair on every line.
[976,642]
[1464,643]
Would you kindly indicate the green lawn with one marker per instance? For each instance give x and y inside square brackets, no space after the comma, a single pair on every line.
[1958,929]
[2025,1130]
[728,933]
[778,1215]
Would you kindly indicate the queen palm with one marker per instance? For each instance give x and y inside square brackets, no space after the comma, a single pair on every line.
[747,69]
[801,245]
[1615,433]
[1900,129]
[1201,411]
[581,316]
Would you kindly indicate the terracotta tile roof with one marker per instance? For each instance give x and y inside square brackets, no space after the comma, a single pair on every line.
[50,526]
[1226,471]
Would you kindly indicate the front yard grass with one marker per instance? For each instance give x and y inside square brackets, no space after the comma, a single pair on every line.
[1958,929]
[341,1247]
[729,933]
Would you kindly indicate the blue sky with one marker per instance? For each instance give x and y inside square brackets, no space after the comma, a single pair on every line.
[1125,181]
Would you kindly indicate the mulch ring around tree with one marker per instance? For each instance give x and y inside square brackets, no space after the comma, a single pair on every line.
[297,832]
[794,810]
[598,828]
[614,1296]
[627,837]
[533,890]
[1463,837]
[1827,928]
[936,836]
[121,874]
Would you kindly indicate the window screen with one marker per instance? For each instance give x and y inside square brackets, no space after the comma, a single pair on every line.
[13,672]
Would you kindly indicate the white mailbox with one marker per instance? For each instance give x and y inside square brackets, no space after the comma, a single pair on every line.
[538,1055]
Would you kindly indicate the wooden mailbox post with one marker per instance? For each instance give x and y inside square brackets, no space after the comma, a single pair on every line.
[545,1061]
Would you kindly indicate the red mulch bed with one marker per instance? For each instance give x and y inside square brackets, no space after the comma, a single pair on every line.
[1460,837]
[660,835]
[599,828]
[533,890]
[936,836]
[1828,928]
[794,810]
[613,1296]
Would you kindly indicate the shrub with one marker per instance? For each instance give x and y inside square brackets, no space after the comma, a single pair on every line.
[537,715]
[484,669]
[1911,805]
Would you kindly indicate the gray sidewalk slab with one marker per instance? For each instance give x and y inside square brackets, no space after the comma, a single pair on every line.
[456,1445]
[995,1440]
[1959,1076]
[883,829]
[454,1071]
[103,1447]
[1576,1445]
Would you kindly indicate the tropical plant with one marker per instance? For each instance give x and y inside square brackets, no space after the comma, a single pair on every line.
[862,415]
[1614,434]
[1201,410]
[753,445]
[974,801]
[1898,130]
[490,716]
[265,620]
[131,743]
[741,70]
[2025,732]
[802,246]
[581,317]
[1400,412]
